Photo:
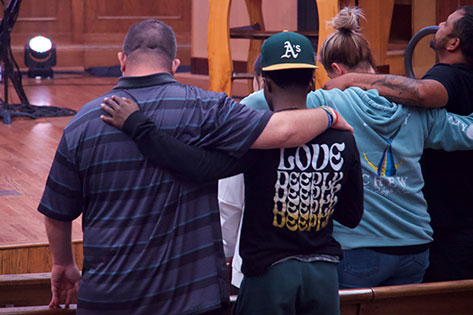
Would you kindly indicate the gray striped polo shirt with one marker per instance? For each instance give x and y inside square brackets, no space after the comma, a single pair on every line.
[152,242]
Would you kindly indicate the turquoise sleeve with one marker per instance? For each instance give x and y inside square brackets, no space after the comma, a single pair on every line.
[316,99]
[449,131]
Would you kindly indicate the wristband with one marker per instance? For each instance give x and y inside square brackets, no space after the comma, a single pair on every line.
[330,115]
[336,116]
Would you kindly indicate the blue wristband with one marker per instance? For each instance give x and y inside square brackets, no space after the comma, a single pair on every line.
[330,119]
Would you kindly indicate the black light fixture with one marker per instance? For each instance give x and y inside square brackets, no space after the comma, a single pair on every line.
[40,57]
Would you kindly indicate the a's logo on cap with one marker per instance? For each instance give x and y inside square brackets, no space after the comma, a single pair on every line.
[291,50]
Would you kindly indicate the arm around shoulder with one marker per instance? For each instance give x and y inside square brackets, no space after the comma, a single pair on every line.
[168,152]
[399,89]
[432,94]
[293,128]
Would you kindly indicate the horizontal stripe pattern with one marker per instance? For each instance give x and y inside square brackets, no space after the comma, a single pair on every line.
[152,243]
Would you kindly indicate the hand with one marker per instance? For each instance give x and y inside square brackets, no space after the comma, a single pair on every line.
[64,284]
[342,124]
[340,82]
[119,108]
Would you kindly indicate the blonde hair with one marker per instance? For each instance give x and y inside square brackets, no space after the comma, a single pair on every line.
[346,45]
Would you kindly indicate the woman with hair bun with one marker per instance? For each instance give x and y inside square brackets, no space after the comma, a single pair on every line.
[390,246]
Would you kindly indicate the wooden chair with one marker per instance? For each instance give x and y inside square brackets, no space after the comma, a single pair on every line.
[218,42]
[376,29]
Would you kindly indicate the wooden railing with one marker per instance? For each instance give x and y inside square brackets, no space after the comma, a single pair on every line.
[30,294]
[449,297]
[37,310]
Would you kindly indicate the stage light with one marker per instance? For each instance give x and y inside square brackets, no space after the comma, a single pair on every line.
[40,57]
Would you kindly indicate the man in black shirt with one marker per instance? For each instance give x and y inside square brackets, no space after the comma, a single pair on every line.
[448,175]
[292,195]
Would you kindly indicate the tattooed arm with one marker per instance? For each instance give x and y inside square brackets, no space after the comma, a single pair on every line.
[398,89]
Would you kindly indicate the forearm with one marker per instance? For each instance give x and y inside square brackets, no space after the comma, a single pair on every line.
[401,90]
[182,159]
[59,236]
[449,132]
[292,128]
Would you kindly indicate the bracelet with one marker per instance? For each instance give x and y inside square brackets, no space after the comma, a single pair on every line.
[331,115]
[336,116]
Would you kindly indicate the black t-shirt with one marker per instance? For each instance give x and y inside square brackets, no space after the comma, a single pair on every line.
[292,195]
[306,187]
[449,175]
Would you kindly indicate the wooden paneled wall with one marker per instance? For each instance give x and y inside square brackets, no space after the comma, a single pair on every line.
[89,33]
[445,7]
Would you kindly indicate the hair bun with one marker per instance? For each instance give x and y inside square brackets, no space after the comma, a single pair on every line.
[347,20]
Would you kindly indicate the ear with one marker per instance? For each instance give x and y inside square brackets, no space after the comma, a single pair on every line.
[267,89]
[267,85]
[122,60]
[175,64]
[453,44]
[337,69]
[257,83]
[312,84]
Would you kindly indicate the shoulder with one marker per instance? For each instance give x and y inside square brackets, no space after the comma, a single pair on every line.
[329,95]
[322,97]
[443,69]
[339,134]
[194,93]
[331,136]
[342,100]
[256,100]
[89,111]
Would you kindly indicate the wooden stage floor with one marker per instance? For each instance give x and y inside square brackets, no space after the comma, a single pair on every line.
[27,148]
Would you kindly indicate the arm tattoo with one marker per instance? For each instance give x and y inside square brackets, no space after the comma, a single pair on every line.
[398,89]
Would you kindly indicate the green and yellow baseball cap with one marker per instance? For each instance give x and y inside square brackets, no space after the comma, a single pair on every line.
[287,50]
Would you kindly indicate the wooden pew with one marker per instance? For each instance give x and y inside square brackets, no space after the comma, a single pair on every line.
[37,310]
[29,289]
[30,294]
[449,297]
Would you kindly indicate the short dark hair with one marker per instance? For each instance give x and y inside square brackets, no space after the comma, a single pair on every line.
[290,78]
[151,36]
[463,29]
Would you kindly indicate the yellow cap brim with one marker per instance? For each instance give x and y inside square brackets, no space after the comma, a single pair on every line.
[286,66]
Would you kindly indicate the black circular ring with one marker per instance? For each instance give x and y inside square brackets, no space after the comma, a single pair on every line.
[412,45]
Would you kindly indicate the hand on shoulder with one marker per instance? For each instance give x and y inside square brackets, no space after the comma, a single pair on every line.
[119,109]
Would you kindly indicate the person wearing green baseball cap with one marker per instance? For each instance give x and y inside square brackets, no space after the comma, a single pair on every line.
[292,195]
[289,257]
